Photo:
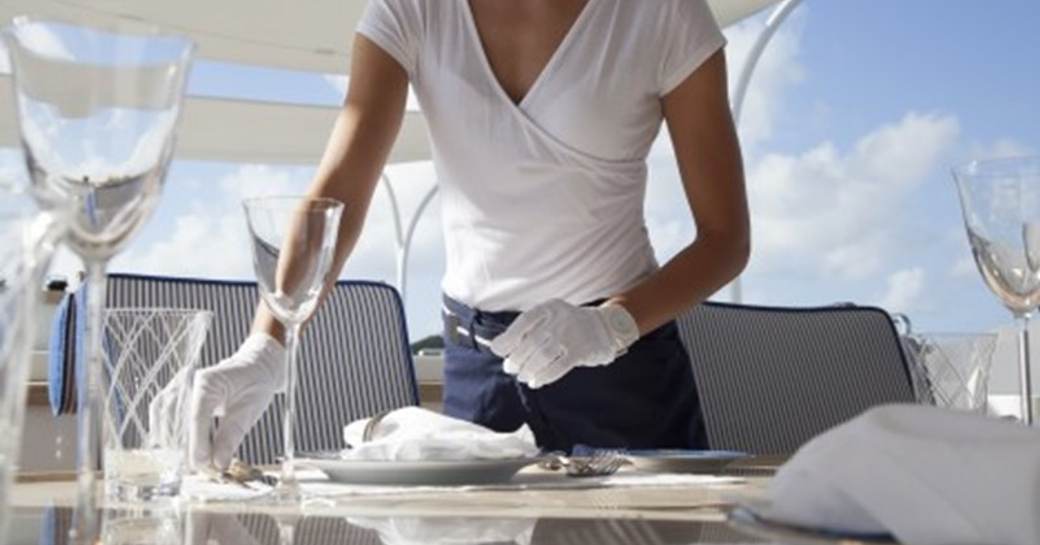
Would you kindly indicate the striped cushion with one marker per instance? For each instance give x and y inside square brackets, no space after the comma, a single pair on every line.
[61,358]
[354,359]
[770,379]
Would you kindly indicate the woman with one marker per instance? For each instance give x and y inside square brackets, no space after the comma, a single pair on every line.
[541,115]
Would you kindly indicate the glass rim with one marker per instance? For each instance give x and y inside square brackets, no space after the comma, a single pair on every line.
[969,168]
[119,26]
[953,335]
[260,201]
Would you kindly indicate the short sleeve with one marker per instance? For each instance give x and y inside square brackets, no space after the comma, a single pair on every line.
[397,27]
[690,35]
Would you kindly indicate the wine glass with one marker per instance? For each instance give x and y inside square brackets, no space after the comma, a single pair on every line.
[1000,200]
[294,239]
[97,110]
[21,271]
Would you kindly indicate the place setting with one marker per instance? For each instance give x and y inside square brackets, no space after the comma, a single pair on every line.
[414,451]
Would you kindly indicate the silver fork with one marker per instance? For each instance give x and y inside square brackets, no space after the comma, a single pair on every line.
[600,463]
[242,474]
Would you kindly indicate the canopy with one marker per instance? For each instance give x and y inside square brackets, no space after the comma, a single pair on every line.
[312,35]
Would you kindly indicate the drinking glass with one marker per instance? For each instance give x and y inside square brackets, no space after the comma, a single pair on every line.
[150,356]
[1000,201]
[294,239]
[953,368]
[97,110]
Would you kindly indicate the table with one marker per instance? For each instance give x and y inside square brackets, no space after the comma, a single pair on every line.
[607,516]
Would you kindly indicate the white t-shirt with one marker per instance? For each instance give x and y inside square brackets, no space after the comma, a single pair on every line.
[544,199]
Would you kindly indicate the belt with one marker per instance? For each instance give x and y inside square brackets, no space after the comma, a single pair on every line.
[460,330]
[457,330]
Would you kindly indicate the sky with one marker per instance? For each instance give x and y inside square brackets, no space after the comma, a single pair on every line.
[854,117]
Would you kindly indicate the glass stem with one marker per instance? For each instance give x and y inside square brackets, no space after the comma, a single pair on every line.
[88,438]
[292,347]
[1025,371]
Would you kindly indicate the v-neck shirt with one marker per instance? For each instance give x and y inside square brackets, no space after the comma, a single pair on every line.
[543,198]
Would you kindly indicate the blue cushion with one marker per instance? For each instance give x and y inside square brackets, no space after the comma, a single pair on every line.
[60,358]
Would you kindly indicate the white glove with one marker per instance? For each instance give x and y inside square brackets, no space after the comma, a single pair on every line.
[238,389]
[545,343]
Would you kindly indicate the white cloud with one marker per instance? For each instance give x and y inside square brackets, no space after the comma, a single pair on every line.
[202,244]
[208,237]
[905,289]
[837,211]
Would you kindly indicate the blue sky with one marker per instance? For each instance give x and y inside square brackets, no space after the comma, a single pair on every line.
[854,118]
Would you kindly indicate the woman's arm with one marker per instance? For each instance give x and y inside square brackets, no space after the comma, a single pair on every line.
[705,141]
[356,151]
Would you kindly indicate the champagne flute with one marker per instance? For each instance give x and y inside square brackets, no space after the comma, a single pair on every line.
[1000,201]
[294,239]
[97,110]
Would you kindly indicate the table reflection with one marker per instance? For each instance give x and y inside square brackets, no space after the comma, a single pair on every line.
[195,527]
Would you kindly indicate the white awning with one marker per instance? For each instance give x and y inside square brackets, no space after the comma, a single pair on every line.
[217,129]
[311,35]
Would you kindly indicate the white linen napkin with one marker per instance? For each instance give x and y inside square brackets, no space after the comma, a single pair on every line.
[414,434]
[926,475]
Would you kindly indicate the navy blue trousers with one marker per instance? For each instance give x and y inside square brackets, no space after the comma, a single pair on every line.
[645,399]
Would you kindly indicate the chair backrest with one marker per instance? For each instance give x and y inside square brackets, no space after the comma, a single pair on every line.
[770,379]
[354,360]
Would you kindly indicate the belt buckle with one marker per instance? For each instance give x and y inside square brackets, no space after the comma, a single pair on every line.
[454,323]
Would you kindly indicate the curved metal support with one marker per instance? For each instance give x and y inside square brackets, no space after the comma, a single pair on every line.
[773,24]
[406,245]
[776,19]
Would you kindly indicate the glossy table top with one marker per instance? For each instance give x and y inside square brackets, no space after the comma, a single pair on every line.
[200,527]
[656,515]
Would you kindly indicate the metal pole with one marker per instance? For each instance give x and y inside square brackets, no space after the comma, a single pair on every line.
[406,246]
[395,209]
[776,19]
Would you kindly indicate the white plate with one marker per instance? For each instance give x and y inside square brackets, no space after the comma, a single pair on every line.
[684,461]
[420,473]
[752,518]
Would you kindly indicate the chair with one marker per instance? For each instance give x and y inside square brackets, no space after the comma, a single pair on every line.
[770,379]
[354,361]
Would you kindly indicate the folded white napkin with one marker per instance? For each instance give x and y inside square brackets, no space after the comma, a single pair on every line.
[926,475]
[414,434]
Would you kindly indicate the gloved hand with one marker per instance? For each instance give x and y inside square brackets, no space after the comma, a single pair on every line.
[238,390]
[546,342]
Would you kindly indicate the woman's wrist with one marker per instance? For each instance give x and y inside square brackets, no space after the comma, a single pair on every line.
[621,324]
